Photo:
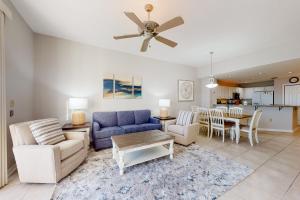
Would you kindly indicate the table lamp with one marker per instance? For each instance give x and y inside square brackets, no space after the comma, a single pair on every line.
[164,104]
[77,105]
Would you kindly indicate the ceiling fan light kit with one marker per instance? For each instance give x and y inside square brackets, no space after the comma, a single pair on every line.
[151,29]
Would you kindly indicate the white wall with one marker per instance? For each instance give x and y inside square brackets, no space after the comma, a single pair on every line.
[66,69]
[19,71]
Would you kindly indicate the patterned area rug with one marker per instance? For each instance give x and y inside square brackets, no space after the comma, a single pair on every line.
[194,173]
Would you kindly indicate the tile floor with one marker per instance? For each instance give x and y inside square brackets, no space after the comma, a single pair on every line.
[275,159]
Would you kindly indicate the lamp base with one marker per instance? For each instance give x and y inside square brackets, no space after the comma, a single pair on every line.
[163,113]
[78,118]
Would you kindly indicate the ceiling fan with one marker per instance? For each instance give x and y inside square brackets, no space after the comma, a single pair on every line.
[151,29]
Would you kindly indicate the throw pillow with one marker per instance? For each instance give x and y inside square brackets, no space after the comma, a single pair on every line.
[47,131]
[184,118]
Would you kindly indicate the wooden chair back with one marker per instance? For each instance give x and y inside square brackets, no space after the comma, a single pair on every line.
[216,118]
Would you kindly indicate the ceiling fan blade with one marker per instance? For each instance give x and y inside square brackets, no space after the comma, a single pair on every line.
[126,36]
[135,19]
[145,44]
[166,41]
[177,21]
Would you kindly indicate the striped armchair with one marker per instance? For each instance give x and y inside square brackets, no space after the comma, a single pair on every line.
[46,163]
[185,128]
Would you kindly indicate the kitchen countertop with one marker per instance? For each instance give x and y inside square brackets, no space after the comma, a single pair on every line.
[274,105]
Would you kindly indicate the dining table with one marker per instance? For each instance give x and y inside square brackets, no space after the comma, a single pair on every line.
[236,118]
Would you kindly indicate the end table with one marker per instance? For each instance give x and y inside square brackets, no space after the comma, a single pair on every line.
[86,127]
[163,120]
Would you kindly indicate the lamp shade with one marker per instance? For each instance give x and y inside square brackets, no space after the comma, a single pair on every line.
[78,103]
[164,103]
[212,83]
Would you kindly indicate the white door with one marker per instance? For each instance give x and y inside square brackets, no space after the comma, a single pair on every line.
[292,95]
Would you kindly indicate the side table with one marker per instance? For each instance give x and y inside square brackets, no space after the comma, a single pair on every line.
[163,120]
[86,127]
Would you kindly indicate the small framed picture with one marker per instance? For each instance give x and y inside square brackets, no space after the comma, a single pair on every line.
[185,90]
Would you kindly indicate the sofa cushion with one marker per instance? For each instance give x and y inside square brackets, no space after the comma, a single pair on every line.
[69,147]
[176,129]
[184,118]
[125,118]
[108,132]
[132,128]
[106,119]
[148,127]
[47,131]
[142,116]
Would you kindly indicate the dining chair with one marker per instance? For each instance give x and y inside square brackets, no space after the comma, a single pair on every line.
[236,111]
[218,123]
[252,128]
[224,108]
[204,119]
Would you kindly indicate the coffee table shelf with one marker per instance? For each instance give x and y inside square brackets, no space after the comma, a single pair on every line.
[137,157]
[135,148]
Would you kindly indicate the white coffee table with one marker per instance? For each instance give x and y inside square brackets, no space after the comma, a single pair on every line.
[135,148]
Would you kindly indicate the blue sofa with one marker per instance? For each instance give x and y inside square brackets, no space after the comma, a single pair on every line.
[107,124]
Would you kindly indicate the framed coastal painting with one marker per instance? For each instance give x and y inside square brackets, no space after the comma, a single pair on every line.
[137,87]
[122,87]
[108,86]
[185,90]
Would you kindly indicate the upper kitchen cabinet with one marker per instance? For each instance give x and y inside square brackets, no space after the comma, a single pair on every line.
[248,93]
[264,89]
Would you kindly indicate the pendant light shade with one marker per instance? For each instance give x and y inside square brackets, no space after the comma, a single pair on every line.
[212,82]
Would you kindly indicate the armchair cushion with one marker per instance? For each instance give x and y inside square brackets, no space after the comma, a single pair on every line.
[47,131]
[142,116]
[125,118]
[108,132]
[176,129]
[69,147]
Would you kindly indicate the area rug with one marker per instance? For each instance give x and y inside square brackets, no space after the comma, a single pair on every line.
[194,173]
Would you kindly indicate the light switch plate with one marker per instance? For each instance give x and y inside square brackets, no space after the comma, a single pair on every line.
[12,103]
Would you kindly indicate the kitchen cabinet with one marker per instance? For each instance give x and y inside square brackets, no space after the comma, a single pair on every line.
[248,93]
[223,92]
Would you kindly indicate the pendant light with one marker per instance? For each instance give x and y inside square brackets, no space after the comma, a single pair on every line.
[212,82]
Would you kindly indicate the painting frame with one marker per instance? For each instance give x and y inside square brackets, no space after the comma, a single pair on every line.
[186,90]
[120,86]
[108,86]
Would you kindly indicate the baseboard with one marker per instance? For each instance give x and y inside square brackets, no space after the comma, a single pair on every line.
[276,130]
[11,170]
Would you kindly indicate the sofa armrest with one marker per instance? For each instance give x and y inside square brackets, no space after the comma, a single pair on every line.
[168,123]
[79,136]
[38,163]
[153,120]
[96,126]
[191,130]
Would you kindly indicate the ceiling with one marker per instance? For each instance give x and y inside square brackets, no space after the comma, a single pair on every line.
[263,73]
[231,28]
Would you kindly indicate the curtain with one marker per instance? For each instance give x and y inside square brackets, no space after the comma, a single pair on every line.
[3,125]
